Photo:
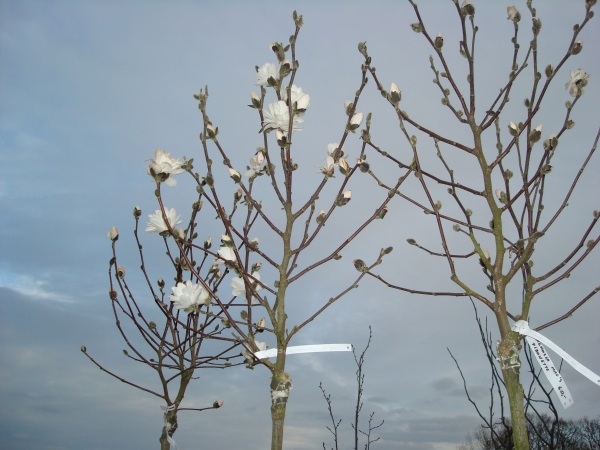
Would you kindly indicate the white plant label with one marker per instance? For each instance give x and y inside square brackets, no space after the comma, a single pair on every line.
[272,352]
[552,373]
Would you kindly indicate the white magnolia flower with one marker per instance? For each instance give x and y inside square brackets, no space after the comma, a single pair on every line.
[328,167]
[513,14]
[331,148]
[278,116]
[113,233]
[189,296]
[158,225]
[577,83]
[300,100]
[255,163]
[163,167]
[239,288]
[227,254]
[246,353]
[265,72]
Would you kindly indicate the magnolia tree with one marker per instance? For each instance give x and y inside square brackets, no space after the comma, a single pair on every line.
[505,184]
[176,345]
[251,305]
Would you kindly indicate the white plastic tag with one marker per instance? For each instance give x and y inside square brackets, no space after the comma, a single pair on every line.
[552,373]
[272,352]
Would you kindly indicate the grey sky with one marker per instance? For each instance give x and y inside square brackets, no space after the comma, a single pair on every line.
[89,89]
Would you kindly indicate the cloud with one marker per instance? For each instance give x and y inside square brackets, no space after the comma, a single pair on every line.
[31,287]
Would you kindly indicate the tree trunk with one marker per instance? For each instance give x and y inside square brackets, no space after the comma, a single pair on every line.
[510,363]
[172,424]
[281,383]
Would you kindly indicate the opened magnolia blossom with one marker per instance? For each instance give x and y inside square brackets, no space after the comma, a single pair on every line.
[189,296]
[163,167]
[265,72]
[278,117]
[300,100]
[255,164]
[157,223]
[239,287]
[577,83]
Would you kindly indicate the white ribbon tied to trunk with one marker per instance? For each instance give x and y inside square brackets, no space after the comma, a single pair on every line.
[272,352]
[554,377]
[170,440]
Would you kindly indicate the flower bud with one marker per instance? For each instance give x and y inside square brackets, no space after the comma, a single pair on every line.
[395,95]
[513,129]
[137,212]
[513,14]
[467,8]
[437,205]
[416,27]
[83,349]
[577,47]
[253,243]
[536,134]
[226,240]
[320,216]
[439,41]
[208,243]
[456,227]
[411,241]
[255,100]
[551,143]
[537,25]
[487,255]
[218,404]
[344,166]
[121,272]
[344,198]
[382,212]
[161,283]
[549,70]
[260,326]
[113,233]
[501,195]
[348,105]
[360,265]
[256,267]
[363,165]
[235,175]
[237,195]
[356,121]
[210,131]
